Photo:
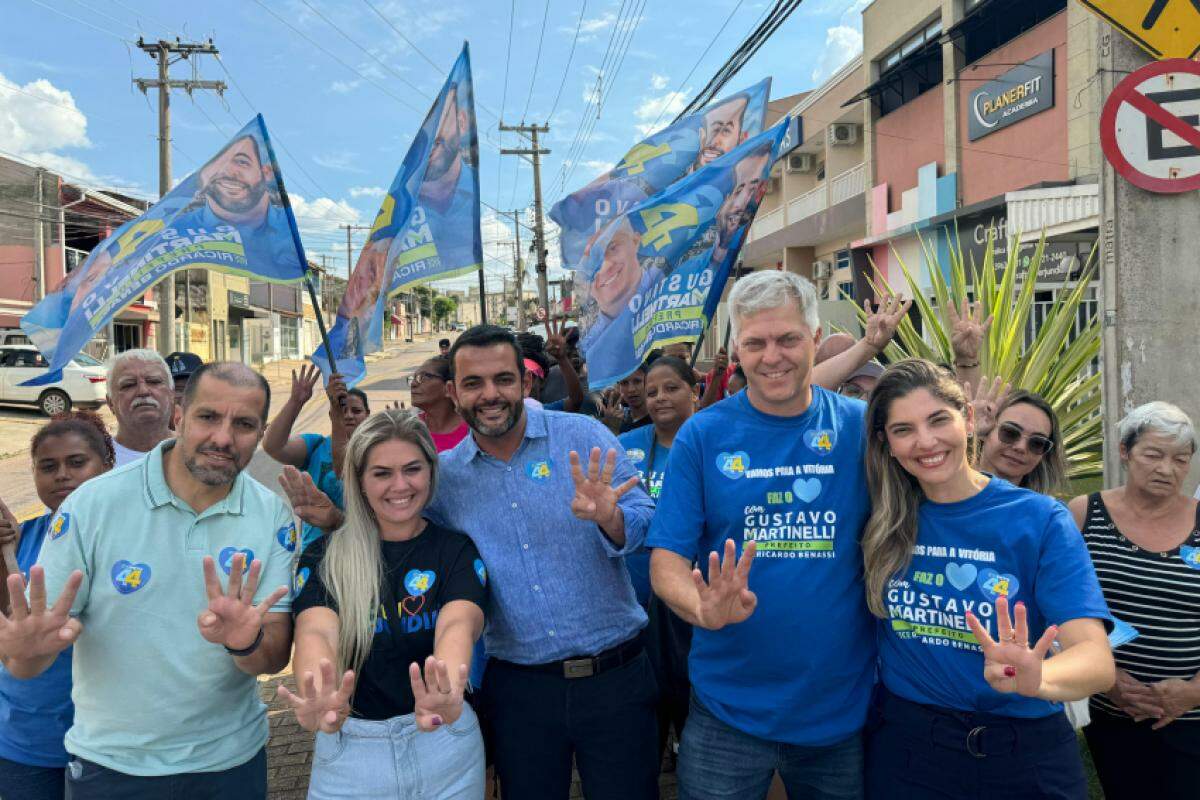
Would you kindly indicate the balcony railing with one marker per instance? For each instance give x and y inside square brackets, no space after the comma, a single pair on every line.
[811,202]
[767,223]
[837,189]
[850,183]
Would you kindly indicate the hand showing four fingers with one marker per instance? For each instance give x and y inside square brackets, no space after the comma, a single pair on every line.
[1010,665]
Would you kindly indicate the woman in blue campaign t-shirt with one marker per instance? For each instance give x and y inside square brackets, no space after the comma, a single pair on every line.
[35,714]
[972,579]
[671,397]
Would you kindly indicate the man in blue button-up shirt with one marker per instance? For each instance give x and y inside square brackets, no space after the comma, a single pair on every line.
[567,676]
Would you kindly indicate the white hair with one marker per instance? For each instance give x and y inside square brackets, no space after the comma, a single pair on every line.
[1157,417]
[768,289]
[138,354]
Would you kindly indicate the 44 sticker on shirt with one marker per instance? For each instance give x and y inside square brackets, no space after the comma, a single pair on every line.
[60,525]
[225,558]
[733,465]
[539,470]
[820,442]
[128,577]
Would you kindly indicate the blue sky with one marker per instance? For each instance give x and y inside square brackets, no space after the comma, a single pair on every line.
[343,107]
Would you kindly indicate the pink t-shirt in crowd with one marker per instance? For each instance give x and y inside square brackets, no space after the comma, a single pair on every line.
[447,441]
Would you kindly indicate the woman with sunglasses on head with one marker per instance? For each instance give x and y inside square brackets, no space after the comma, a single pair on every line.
[430,395]
[1022,443]
[672,393]
[972,579]
[1144,538]
[35,714]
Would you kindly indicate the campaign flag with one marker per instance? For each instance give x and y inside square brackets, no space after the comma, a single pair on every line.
[655,163]
[426,229]
[654,275]
[231,215]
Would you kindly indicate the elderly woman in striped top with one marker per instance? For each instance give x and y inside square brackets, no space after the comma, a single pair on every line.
[1144,539]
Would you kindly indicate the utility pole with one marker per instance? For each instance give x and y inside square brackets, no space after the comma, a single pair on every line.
[162,52]
[518,271]
[535,154]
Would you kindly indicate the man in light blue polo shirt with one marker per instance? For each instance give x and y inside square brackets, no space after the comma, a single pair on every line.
[569,677]
[167,646]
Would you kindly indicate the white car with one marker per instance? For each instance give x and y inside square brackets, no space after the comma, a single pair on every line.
[82,384]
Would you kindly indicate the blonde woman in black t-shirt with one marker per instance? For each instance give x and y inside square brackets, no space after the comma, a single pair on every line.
[394,604]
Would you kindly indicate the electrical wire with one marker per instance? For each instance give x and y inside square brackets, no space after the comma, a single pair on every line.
[570,58]
[537,61]
[61,13]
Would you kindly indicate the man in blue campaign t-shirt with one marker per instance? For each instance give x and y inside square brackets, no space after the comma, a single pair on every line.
[783,658]
[969,554]
[649,458]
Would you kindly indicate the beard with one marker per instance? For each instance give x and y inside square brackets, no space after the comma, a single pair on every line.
[471,416]
[253,194]
[212,476]
[441,159]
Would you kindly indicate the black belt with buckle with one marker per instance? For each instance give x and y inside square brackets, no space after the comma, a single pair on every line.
[587,666]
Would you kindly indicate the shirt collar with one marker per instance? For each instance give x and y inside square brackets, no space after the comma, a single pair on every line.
[159,494]
[535,428]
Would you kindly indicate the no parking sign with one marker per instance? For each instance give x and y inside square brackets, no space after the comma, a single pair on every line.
[1148,129]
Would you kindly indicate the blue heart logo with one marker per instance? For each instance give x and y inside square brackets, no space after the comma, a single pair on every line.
[539,470]
[60,526]
[995,584]
[128,577]
[961,575]
[301,579]
[1190,556]
[225,558]
[418,582]
[806,489]
[286,536]
[733,465]
[481,572]
[636,455]
[820,442]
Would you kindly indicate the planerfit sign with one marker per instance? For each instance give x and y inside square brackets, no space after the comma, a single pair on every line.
[1021,92]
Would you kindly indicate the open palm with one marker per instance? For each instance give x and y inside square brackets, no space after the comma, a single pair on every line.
[1010,665]
[323,709]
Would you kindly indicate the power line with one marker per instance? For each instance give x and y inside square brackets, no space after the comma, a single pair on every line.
[105,31]
[138,13]
[570,58]
[106,15]
[537,61]
[357,72]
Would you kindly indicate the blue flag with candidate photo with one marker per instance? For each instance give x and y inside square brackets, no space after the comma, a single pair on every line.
[427,228]
[654,275]
[655,163]
[231,214]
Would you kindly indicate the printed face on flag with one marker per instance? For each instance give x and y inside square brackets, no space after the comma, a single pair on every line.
[652,276]
[655,163]
[228,215]
[427,227]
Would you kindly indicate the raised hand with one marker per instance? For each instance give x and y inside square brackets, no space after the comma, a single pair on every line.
[720,363]
[1135,698]
[323,709]
[231,618]
[310,503]
[303,383]
[884,320]
[1174,697]
[595,497]
[611,410]
[726,599]
[437,699]
[967,329]
[336,391]
[556,340]
[31,631]
[986,403]
[1011,665]
[395,405]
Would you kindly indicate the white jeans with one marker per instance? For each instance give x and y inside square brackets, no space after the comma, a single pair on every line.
[393,759]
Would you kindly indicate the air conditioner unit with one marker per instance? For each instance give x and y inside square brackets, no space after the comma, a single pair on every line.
[822,269]
[772,185]
[841,133]
[801,162]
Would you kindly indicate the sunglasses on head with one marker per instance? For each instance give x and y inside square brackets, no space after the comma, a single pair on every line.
[1011,433]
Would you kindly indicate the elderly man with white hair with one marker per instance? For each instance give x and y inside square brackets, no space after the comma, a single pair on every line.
[783,657]
[1144,539]
[141,395]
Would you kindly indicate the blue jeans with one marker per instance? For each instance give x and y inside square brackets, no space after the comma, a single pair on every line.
[30,783]
[392,758]
[719,761]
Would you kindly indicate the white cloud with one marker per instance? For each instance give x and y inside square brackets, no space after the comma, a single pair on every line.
[654,112]
[342,160]
[590,29]
[842,42]
[323,216]
[658,82]
[344,87]
[596,167]
[367,191]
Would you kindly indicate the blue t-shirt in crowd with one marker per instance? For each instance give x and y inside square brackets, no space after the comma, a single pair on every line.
[1002,542]
[35,714]
[319,464]
[649,458]
[801,668]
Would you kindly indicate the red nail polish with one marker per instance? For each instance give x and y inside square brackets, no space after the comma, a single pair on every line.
[1010,672]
